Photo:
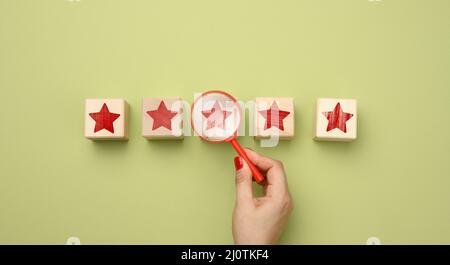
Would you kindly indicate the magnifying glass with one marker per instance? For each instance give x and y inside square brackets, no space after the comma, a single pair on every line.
[216,117]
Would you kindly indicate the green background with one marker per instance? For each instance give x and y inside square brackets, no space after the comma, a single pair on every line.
[393,56]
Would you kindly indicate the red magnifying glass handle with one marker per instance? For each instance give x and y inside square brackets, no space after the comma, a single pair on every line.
[259,178]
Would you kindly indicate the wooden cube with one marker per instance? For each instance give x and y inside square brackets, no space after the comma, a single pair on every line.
[162,118]
[106,119]
[335,119]
[274,117]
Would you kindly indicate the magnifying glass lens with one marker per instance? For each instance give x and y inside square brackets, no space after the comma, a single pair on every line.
[216,117]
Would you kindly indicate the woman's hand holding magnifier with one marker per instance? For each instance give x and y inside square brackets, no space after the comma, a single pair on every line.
[260,220]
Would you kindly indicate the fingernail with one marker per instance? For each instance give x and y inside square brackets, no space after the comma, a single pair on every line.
[250,149]
[238,163]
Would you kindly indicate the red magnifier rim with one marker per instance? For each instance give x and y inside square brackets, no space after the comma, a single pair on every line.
[228,96]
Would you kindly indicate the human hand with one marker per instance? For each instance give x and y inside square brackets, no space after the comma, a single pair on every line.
[260,220]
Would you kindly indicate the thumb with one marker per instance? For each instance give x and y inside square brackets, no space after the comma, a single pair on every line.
[244,188]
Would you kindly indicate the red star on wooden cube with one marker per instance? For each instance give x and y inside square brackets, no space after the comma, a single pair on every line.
[108,123]
[274,119]
[332,123]
[274,116]
[104,119]
[337,118]
[162,117]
